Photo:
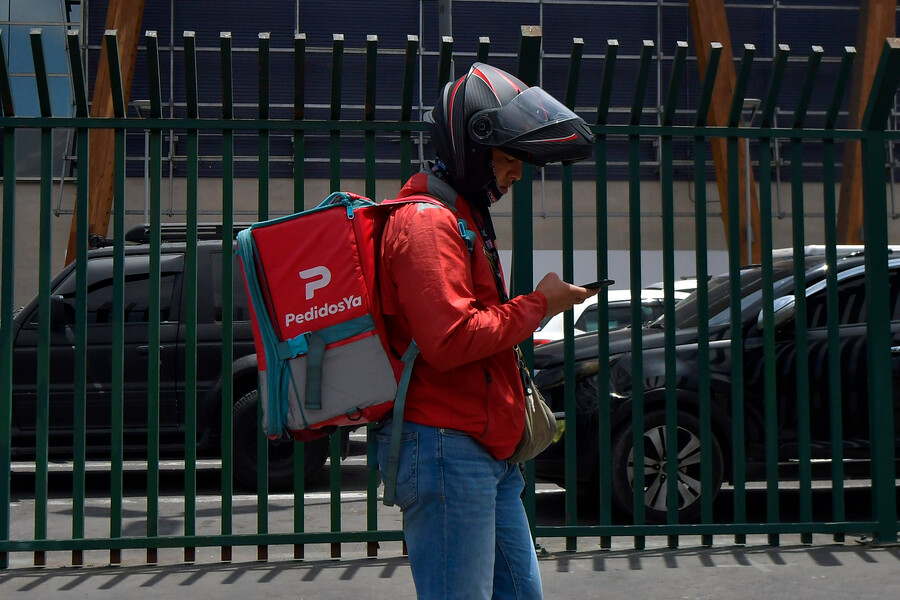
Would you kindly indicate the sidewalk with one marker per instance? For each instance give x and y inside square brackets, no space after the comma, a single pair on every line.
[823,571]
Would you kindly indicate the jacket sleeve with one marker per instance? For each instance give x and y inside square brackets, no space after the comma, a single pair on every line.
[430,267]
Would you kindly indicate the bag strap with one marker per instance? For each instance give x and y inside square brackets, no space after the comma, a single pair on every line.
[393,460]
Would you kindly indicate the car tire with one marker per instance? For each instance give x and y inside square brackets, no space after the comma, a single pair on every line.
[655,487]
[281,452]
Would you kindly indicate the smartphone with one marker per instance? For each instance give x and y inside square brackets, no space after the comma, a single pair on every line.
[596,285]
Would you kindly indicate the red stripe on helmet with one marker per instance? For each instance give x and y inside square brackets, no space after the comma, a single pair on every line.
[478,73]
[450,114]
[574,136]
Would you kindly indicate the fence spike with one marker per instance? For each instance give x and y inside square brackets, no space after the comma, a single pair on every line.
[884,86]
[840,86]
[640,88]
[709,82]
[740,87]
[484,46]
[778,67]
[227,75]
[371,62]
[337,73]
[445,57]
[609,64]
[40,73]
[153,80]
[674,83]
[264,75]
[806,88]
[190,74]
[529,54]
[115,72]
[574,72]
[79,89]
[299,76]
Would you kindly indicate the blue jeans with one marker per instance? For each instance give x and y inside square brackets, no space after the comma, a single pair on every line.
[463,518]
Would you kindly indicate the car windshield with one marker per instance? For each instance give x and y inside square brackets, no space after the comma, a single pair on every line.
[687,311]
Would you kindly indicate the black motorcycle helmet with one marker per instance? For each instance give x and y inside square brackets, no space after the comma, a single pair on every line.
[488,108]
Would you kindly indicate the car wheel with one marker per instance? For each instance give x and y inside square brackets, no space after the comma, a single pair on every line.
[655,485]
[281,452]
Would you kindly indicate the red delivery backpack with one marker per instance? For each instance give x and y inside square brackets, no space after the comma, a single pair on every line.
[323,356]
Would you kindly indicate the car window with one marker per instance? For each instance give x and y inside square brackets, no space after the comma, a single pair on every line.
[240,306]
[136,292]
[687,310]
[851,300]
[620,315]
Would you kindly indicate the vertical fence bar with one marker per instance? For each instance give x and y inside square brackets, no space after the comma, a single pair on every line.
[7,278]
[667,176]
[406,98]
[829,161]
[635,241]
[765,211]
[227,442]
[734,268]
[369,111]
[881,411]
[529,58]
[702,267]
[154,214]
[568,270]
[337,78]
[42,410]
[604,474]
[190,298]
[337,74]
[118,316]
[262,442]
[445,61]
[299,205]
[371,448]
[299,137]
[523,229]
[80,364]
[804,444]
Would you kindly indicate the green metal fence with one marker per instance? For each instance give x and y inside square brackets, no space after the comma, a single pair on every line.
[193,534]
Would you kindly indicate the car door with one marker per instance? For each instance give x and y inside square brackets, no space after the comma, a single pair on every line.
[99,349]
[853,388]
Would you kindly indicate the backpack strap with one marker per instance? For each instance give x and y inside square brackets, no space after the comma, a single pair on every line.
[393,460]
[409,357]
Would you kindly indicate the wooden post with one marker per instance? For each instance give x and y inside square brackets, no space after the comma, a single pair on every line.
[710,25]
[125,17]
[876,22]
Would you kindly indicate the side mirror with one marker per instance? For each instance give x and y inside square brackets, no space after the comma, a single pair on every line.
[58,313]
[783,308]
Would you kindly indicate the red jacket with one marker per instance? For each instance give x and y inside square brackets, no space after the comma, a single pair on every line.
[434,291]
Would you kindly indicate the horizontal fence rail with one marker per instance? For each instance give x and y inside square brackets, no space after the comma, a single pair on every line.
[693,431]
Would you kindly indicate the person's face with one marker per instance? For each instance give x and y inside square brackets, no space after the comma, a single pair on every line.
[506,169]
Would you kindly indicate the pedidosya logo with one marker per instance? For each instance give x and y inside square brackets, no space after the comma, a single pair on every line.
[316,279]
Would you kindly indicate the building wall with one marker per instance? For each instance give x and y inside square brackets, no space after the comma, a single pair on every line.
[547,223]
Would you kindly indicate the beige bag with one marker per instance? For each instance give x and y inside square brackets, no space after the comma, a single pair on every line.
[540,424]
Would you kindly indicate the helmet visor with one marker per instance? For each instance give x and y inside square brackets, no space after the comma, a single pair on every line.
[529,111]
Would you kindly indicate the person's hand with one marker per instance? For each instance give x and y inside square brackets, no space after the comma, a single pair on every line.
[561,295]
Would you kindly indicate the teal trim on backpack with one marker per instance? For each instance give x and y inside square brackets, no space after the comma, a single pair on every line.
[296,346]
[276,417]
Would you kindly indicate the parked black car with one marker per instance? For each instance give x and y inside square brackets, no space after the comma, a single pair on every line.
[853,376]
[136,350]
